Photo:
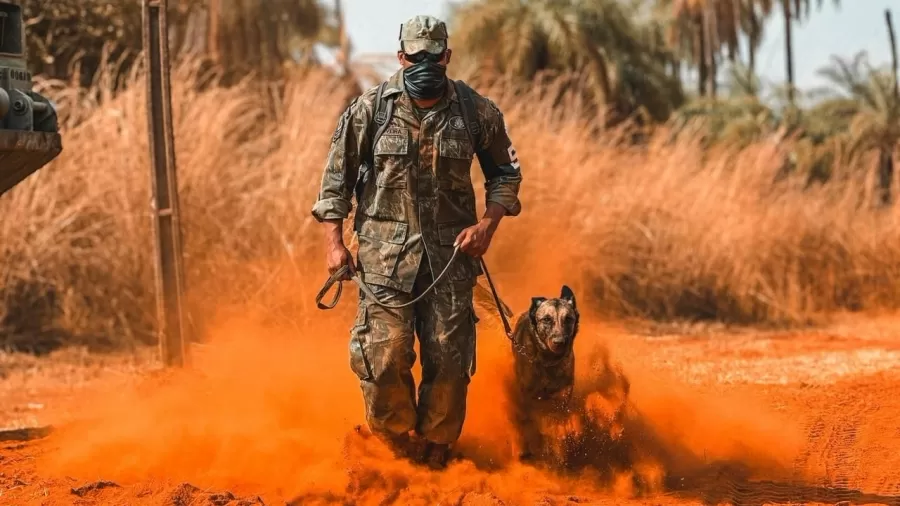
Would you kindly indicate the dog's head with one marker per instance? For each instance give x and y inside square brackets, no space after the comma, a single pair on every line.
[555,321]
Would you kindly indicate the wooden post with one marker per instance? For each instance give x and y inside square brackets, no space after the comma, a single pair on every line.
[343,40]
[212,35]
[886,155]
[164,183]
[788,49]
[892,39]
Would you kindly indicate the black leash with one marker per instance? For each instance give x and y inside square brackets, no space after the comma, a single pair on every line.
[487,275]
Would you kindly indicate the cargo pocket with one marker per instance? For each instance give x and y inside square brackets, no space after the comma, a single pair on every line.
[391,152]
[359,360]
[380,244]
[454,163]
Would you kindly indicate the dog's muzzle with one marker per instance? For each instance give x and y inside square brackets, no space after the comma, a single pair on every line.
[558,344]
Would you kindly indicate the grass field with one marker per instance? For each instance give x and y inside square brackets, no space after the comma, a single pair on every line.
[668,230]
[671,235]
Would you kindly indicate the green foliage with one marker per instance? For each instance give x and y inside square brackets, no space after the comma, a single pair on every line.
[623,57]
[252,35]
[263,34]
[741,81]
[874,116]
[63,32]
[739,121]
[625,62]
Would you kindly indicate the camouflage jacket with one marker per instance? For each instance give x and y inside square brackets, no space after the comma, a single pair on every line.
[420,195]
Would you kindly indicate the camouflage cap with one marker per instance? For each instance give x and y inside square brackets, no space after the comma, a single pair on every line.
[423,33]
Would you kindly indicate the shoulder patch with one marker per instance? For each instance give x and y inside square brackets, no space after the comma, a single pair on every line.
[342,123]
[492,104]
[339,130]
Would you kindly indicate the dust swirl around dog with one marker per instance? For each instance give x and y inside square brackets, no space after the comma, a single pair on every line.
[270,411]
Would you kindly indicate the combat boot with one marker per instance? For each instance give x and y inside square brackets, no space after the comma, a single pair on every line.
[403,446]
[400,444]
[436,455]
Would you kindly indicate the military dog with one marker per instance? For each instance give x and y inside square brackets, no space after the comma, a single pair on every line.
[541,387]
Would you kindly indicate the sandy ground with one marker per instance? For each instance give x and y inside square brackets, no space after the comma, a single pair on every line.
[728,396]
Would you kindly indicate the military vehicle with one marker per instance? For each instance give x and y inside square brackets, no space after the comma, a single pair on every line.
[29,130]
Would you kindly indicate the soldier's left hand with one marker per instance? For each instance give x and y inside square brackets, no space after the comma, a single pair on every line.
[475,240]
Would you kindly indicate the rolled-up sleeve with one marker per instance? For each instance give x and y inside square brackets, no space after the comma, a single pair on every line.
[348,148]
[500,163]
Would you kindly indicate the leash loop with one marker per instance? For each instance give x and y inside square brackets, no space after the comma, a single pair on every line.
[335,278]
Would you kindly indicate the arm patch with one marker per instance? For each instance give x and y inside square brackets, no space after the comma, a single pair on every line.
[342,121]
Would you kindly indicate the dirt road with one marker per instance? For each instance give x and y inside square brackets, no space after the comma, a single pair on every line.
[744,417]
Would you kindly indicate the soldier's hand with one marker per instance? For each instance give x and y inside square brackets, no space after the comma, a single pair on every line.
[475,240]
[338,256]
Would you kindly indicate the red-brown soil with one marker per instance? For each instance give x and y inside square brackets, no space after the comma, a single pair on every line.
[267,418]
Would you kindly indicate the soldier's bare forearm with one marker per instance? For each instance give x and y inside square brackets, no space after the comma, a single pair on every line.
[334,232]
[493,213]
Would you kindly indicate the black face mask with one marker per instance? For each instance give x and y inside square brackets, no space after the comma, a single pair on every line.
[425,80]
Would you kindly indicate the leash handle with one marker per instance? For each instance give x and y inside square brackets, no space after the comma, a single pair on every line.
[334,278]
[487,275]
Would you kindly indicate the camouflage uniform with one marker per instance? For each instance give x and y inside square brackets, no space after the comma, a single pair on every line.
[417,201]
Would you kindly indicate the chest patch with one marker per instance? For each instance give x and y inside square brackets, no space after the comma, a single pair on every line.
[456,123]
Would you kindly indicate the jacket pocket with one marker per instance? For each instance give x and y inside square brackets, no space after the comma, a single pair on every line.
[380,244]
[391,155]
[454,161]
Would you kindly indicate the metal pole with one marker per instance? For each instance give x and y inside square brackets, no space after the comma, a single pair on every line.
[166,223]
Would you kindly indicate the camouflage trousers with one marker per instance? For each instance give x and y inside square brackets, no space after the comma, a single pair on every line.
[382,355]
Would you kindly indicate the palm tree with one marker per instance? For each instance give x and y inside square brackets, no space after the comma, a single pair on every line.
[741,81]
[689,35]
[684,38]
[868,98]
[701,29]
[263,34]
[754,14]
[624,69]
[795,10]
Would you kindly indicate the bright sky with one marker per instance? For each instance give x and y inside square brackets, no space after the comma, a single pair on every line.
[374,25]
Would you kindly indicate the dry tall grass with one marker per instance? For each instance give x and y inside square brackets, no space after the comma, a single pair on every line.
[666,230]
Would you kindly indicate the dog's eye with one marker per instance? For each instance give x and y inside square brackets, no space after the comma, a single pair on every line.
[547,319]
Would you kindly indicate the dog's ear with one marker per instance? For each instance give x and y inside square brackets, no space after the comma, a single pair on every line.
[532,312]
[568,294]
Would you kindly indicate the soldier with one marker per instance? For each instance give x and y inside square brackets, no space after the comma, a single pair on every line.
[413,207]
